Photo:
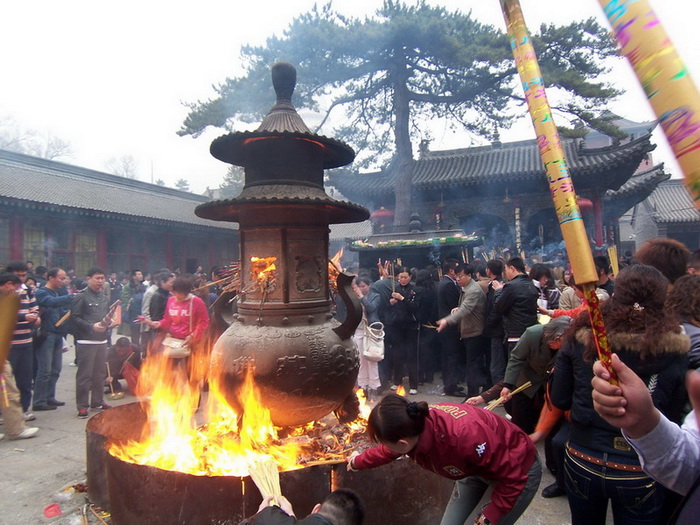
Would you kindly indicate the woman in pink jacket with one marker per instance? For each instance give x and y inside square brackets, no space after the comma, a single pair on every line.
[186,316]
[473,446]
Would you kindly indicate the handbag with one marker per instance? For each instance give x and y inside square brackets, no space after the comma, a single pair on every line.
[177,348]
[373,349]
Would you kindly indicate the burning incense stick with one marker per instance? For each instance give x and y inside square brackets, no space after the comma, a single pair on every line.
[266,477]
[561,185]
[671,92]
[500,400]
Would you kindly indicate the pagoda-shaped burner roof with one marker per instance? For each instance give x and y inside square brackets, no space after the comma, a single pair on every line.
[283,161]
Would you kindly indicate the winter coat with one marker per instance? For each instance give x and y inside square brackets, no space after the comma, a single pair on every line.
[276,516]
[518,305]
[470,312]
[402,314]
[177,321]
[529,361]
[88,308]
[493,325]
[663,372]
[53,304]
[460,441]
[448,298]
[159,300]
[370,306]
[694,355]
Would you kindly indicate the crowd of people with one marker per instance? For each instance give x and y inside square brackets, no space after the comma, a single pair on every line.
[486,329]
[504,326]
[93,310]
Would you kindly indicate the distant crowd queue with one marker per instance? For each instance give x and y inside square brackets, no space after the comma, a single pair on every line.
[509,332]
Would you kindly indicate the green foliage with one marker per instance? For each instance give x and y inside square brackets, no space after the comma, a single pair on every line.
[383,78]
[233,182]
[182,184]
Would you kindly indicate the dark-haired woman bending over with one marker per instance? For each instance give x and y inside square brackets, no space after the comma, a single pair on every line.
[475,447]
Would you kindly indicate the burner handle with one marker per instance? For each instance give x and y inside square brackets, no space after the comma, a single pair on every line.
[352,305]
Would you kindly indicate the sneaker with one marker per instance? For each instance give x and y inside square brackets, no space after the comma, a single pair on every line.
[394,387]
[103,406]
[413,391]
[82,413]
[28,416]
[2,436]
[56,403]
[39,408]
[27,433]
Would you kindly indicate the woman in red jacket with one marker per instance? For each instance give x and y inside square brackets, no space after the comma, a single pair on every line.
[475,447]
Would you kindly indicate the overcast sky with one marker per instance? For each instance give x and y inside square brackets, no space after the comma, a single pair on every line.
[111,77]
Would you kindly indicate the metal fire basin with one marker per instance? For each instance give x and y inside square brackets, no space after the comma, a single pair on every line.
[400,492]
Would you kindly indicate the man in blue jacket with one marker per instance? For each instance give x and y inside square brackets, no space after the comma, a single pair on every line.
[54,300]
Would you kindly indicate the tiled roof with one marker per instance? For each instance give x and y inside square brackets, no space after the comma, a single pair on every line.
[354,231]
[671,203]
[634,191]
[31,179]
[609,166]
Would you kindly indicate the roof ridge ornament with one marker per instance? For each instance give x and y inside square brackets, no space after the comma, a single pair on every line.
[283,116]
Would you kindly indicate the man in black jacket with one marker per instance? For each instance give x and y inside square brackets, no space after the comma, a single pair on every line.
[90,329]
[517,303]
[452,351]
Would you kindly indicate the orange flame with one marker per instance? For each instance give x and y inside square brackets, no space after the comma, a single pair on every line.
[401,391]
[334,270]
[230,440]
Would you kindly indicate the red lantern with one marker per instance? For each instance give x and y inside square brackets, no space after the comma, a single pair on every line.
[382,216]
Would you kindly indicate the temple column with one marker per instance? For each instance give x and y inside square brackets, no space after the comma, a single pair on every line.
[598,221]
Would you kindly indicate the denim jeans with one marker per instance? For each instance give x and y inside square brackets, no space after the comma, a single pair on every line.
[22,360]
[636,498]
[468,492]
[49,362]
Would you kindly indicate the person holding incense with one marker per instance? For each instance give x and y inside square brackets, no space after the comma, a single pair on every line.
[475,447]
[668,453]
[341,507]
[601,465]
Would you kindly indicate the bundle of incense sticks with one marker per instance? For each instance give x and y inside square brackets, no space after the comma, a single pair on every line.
[266,477]
[498,401]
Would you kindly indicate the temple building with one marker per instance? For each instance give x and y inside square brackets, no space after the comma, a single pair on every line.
[500,192]
[56,214]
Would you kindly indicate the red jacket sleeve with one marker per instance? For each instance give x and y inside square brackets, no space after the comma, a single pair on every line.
[374,457]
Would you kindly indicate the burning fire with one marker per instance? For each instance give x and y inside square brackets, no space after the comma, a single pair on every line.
[401,391]
[230,440]
[262,272]
[334,270]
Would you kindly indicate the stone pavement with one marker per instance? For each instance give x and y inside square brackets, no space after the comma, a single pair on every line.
[35,469]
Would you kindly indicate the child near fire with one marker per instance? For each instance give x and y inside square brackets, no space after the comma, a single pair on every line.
[473,446]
